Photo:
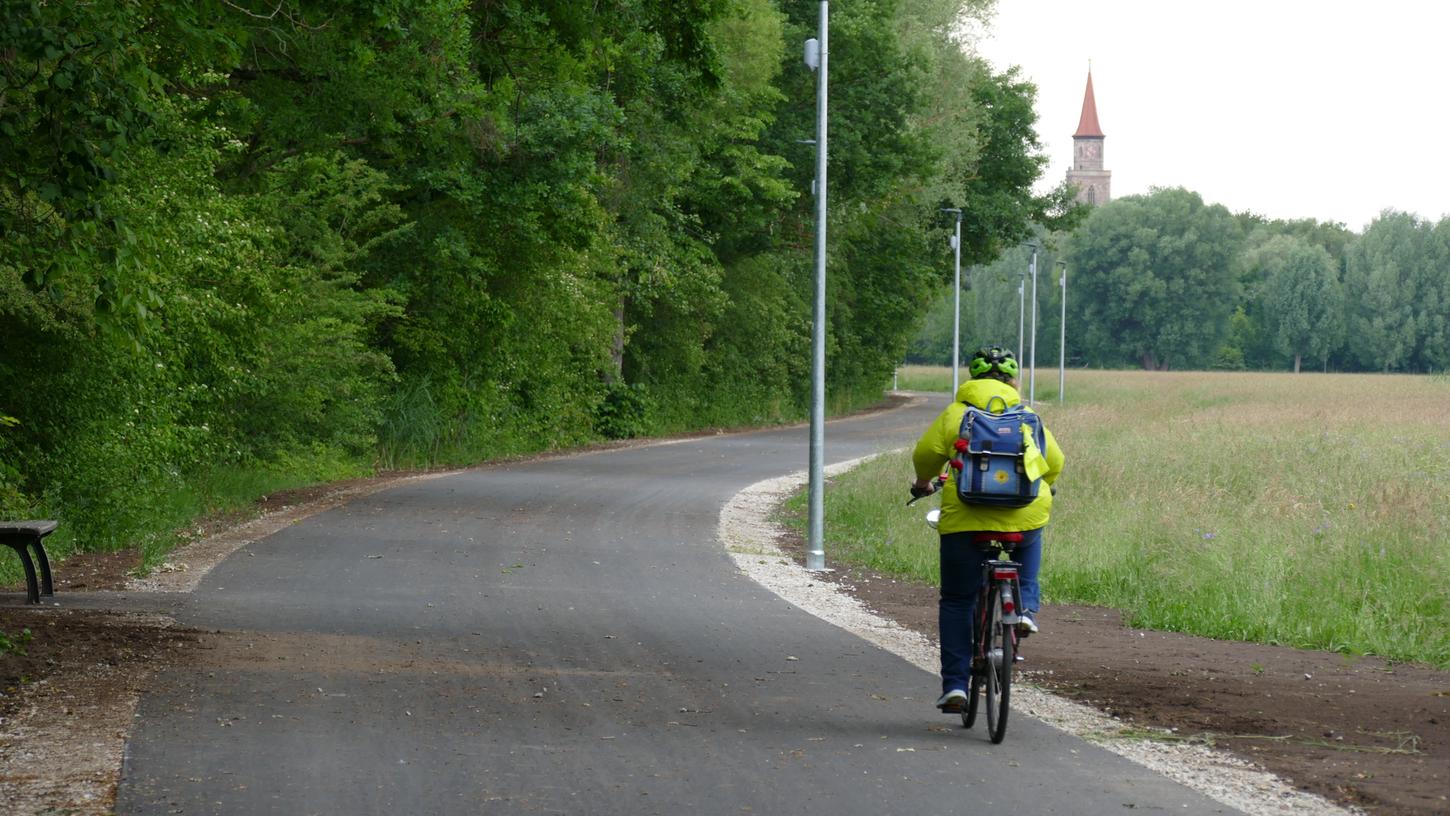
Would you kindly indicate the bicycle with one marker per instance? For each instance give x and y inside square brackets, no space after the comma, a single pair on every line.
[995,651]
[997,637]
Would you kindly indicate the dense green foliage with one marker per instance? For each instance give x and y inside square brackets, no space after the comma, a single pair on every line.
[1301,297]
[1163,280]
[255,243]
[1153,281]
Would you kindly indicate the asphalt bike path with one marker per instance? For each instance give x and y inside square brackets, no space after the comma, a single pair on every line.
[569,636]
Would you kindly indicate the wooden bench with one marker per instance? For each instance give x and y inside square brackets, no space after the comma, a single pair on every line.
[22,536]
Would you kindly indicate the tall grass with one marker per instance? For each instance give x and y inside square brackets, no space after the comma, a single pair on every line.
[162,515]
[924,378]
[1307,510]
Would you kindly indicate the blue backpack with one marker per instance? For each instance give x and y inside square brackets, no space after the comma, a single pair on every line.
[991,456]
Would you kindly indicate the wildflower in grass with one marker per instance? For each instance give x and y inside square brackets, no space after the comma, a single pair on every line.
[1209,536]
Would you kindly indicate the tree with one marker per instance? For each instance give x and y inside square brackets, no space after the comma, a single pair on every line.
[1153,280]
[999,208]
[1302,297]
[1434,301]
[1380,278]
[1251,343]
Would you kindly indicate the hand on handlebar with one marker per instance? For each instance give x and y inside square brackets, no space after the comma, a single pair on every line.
[922,492]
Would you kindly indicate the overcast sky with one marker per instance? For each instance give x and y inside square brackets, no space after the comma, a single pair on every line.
[1288,108]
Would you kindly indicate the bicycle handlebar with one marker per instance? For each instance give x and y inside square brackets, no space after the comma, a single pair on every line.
[919,493]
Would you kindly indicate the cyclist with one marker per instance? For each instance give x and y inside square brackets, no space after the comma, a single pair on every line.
[993,380]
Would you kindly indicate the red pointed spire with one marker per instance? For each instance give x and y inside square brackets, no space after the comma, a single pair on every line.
[1088,124]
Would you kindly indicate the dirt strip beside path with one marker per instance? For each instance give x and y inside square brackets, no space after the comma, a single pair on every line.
[1359,731]
[66,703]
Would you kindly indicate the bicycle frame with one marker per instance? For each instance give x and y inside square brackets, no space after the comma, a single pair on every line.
[995,648]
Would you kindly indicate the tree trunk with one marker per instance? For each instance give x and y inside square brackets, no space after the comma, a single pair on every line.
[616,348]
[1297,359]
[1150,362]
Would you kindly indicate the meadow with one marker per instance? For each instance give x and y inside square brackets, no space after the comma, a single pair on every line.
[1308,510]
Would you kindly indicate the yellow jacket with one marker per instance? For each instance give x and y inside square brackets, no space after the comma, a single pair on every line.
[934,450]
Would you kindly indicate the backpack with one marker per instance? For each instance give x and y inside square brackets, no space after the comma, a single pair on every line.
[992,453]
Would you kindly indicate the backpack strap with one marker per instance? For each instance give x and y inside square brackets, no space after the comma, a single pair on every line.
[997,398]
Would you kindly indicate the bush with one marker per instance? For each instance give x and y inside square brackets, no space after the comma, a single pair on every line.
[622,414]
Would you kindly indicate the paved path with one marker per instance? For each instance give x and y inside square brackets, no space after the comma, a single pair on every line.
[568,636]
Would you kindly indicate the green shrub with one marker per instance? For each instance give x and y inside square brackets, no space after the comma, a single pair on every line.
[623,413]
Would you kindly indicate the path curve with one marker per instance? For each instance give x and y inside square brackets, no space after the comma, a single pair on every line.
[568,636]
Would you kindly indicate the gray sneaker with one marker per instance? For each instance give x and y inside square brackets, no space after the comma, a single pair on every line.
[1025,623]
[953,702]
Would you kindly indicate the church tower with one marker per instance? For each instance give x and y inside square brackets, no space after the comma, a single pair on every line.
[1087,172]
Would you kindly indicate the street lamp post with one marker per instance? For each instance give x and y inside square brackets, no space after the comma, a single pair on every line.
[1021,312]
[1062,340]
[1032,359]
[816,56]
[956,300]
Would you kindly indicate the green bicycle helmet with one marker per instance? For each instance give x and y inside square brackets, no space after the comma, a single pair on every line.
[992,357]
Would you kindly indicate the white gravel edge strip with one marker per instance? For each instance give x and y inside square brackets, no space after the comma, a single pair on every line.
[201,557]
[749,535]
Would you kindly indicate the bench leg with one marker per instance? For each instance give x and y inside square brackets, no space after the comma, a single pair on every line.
[46,587]
[32,589]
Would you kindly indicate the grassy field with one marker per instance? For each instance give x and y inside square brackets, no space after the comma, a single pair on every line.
[1309,510]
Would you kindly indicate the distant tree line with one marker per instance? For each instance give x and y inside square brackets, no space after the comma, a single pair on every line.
[1164,281]
[310,238]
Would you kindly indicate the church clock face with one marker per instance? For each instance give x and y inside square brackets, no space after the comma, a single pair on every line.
[1092,150]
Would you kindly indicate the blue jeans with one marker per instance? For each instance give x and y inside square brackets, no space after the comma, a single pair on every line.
[961,581]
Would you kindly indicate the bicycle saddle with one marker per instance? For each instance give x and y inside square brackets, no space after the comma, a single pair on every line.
[1005,538]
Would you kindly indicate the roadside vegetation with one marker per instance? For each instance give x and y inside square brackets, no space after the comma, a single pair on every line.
[251,245]
[1307,510]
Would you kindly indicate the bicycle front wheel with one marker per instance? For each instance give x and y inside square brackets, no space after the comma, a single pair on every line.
[1002,657]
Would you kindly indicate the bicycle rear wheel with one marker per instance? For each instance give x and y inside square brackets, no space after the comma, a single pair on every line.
[974,701]
[1002,655]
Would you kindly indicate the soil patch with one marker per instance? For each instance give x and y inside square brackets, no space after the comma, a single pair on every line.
[93,571]
[1359,731]
[67,701]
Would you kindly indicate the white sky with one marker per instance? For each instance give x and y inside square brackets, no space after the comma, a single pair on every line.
[1288,108]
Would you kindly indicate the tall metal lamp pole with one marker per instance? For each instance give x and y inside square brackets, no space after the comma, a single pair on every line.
[1021,312]
[816,55]
[1032,360]
[1062,340]
[956,301]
